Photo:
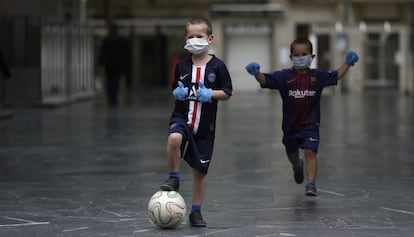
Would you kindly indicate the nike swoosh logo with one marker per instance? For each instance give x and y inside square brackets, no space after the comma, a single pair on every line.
[313,139]
[290,81]
[204,161]
[184,76]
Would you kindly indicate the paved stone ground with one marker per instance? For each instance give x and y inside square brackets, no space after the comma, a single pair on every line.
[88,170]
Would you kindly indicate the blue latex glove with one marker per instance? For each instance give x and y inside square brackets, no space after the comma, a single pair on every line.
[351,58]
[181,92]
[203,93]
[253,68]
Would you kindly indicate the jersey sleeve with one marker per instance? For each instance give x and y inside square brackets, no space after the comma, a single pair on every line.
[273,80]
[326,78]
[225,83]
[174,83]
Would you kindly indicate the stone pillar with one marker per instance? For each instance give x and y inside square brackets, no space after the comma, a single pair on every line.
[355,75]
[402,59]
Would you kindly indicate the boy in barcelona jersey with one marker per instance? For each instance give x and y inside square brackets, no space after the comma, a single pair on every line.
[300,89]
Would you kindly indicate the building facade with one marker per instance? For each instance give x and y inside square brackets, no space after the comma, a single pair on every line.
[380,31]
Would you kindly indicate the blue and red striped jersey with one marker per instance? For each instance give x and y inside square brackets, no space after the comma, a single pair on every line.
[200,117]
[301,96]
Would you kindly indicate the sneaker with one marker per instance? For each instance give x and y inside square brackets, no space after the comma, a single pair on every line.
[310,190]
[197,220]
[171,184]
[298,172]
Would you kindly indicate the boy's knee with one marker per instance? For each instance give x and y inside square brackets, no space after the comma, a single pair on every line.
[309,154]
[175,139]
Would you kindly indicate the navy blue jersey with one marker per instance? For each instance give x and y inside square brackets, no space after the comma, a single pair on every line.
[200,117]
[301,95]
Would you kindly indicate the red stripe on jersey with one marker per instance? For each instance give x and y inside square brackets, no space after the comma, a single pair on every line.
[193,118]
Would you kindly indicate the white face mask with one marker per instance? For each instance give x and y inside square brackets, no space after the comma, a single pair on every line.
[196,45]
[302,62]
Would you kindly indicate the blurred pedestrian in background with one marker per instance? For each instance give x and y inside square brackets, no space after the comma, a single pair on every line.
[114,58]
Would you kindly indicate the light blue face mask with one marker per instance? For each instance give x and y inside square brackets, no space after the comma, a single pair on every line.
[302,62]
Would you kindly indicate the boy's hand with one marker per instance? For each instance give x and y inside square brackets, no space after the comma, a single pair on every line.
[253,68]
[203,93]
[351,58]
[181,92]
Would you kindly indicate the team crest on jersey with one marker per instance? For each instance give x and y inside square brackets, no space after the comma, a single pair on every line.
[211,77]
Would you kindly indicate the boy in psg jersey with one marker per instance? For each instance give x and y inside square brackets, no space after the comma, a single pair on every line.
[200,81]
[300,88]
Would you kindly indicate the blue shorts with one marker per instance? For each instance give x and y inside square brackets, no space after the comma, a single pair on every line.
[196,151]
[303,139]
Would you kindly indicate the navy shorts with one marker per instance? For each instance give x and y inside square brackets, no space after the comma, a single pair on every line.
[303,139]
[196,151]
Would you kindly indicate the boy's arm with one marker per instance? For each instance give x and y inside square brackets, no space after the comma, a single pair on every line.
[220,95]
[260,77]
[254,70]
[350,60]
[205,94]
[342,70]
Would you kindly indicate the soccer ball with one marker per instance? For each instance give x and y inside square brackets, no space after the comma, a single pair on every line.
[167,209]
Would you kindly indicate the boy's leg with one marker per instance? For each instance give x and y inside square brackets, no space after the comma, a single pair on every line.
[310,144]
[174,151]
[199,159]
[199,187]
[311,171]
[173,158]
[292,151]
[294,158]
[311,164]
[297,165]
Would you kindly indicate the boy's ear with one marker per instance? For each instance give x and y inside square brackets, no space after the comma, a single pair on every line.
[210,38]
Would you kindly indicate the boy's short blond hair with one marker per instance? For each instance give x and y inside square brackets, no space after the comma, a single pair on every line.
[201,20]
